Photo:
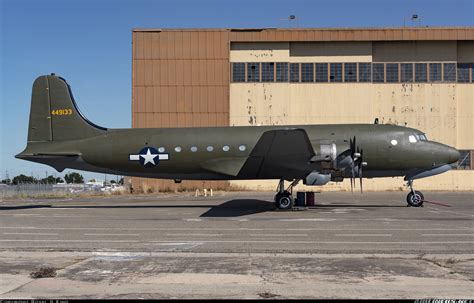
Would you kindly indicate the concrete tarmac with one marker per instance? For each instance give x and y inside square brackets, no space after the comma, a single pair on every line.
[236,245]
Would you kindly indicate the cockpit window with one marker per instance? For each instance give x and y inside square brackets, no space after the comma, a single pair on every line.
[421,137]
[412,139]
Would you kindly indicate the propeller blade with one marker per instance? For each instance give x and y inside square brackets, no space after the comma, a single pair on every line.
[352,146]
[352,178]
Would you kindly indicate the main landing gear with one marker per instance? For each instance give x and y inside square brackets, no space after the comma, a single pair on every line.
[284,198]
[414,198]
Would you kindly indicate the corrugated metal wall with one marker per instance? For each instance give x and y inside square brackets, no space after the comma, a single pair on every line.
[180,79]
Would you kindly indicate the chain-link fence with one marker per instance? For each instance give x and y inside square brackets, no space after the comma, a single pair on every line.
[39,189]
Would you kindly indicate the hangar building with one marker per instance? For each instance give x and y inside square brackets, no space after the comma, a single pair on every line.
[418,77]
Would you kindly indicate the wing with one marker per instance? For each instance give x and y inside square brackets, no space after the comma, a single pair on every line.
[278,154]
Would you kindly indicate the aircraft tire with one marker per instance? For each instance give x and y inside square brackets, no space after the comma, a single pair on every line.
[415,200]
[284,201]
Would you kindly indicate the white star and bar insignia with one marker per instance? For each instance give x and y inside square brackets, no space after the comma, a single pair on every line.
[148,157]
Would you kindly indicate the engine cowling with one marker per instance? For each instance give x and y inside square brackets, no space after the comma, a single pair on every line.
[316,178]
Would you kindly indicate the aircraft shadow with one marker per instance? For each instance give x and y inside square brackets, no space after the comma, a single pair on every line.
[23,207]
[239,207]
[357,206]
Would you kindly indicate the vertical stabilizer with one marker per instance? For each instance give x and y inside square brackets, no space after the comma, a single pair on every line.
[54,114]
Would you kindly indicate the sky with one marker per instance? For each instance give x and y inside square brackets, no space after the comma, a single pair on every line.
[88,42]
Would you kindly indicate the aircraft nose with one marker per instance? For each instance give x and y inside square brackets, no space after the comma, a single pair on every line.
[453,155]
[449,155]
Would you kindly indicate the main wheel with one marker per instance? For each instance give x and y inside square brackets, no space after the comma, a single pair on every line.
[415,200]
[284,200]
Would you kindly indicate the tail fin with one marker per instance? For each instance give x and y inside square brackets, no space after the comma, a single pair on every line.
[54,115]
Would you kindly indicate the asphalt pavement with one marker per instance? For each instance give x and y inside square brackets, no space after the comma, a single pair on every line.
[367,245]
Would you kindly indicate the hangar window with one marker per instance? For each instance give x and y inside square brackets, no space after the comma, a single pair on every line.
[465,161]
[350,72]
[238,72]
[307,72]
[463,72]
[268,72]
[281,72]
[392,72]
[378,70]
[406,72]
[321,72]
[253,72]
[449,72]
[336,72]
[435,72]
[421,72]
[294,72]
[365,74]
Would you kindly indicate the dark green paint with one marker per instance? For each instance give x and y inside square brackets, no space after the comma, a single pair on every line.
[272,152]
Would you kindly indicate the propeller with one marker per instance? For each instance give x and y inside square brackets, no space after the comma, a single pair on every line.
[356,163]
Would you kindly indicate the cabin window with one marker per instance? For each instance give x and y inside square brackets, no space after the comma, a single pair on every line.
[412,139]
[161,149]
[194,149]
[177,149]
[225,148]
[242,148]
[394,142]
[209,148]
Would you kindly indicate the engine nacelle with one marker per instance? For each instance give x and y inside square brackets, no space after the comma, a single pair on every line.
[316,178]
[325,152]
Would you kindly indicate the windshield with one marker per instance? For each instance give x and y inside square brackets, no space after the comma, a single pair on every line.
[421,137]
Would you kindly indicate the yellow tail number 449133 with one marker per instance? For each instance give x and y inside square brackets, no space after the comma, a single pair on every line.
[61,112]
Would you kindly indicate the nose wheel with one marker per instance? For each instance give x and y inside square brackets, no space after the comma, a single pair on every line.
[415,198]
[284,197]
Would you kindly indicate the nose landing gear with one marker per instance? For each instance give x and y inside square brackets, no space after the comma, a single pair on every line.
[284,198]
[414,198]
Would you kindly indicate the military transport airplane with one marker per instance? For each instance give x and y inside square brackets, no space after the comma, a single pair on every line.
[61,137]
